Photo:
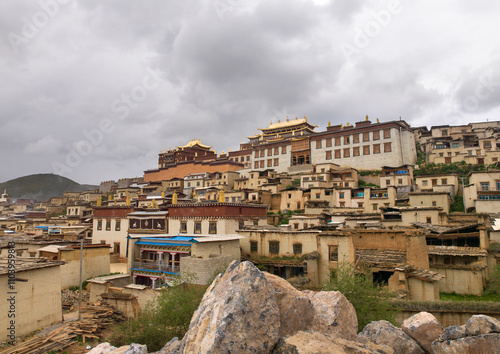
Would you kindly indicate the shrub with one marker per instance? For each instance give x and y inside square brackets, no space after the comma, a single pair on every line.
[371,302]
[166,317]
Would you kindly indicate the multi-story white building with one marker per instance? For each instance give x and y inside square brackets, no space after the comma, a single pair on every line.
[483,192]
[294,147]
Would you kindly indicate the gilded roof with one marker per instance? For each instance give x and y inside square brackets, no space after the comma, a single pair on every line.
[194,142]
[287,123]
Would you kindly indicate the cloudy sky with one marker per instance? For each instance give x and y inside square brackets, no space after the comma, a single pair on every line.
[93,90]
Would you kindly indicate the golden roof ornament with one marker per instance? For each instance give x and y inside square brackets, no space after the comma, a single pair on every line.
[174,198]
[329,124]
[230,149]
[163,194]
[222,197]
[366,118]
[127,201]
[305,117]
[287,119]
[378,121]
[99,201]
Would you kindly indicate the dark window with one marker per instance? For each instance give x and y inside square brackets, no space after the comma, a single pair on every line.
[197,227]
[183,227]
[254,246]
[212,227]
[297,248]
[117,225]
[274,247]
[333,252]
[99,225]
[108,225]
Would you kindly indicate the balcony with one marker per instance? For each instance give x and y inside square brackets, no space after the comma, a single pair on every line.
[156,265]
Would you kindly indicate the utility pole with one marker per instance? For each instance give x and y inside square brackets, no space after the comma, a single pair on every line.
[463,193]
[81,267]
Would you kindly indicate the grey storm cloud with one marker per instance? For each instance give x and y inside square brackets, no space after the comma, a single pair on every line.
[95,90]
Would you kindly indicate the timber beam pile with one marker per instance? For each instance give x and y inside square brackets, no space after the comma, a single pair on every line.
[94,318]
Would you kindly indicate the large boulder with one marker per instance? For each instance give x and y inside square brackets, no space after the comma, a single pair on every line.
[482,324]
[106,348]
[314,342]
[384,333]
[482,344]
[296,311]
[237,314]
[424,328]
[334,315]
[452,333]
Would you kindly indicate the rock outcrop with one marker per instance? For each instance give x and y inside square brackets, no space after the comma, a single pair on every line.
[245,310]
[237,314]
[334,315]
[296,311]
[481,324]
[423,328]
[315,342]
[384,333]
[481,344]
[106,348]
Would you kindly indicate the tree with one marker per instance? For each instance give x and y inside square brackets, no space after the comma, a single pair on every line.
[493,281]
[371,302]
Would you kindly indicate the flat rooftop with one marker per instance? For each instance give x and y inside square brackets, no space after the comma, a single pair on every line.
[26,264]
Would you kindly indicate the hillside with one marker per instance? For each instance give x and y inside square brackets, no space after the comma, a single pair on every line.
[42,186]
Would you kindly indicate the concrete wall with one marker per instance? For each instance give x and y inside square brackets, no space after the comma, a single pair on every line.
[95,263]
[202,270]
[421,290]
[430,199]
[144,296]
[226,248]
[487,206]
[37,302]
[461,281]
[419,215]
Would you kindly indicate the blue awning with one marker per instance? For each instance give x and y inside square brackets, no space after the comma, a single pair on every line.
[162,243]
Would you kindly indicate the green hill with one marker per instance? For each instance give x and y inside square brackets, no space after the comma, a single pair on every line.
[42,186]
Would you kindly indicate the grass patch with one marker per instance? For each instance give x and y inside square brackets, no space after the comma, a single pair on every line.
[460,297]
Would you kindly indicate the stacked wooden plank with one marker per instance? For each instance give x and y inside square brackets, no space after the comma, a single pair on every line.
[94,318]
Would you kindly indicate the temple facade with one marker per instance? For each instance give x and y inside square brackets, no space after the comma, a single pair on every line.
[294,147]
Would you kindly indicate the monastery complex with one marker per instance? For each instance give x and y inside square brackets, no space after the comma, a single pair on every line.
[294,199]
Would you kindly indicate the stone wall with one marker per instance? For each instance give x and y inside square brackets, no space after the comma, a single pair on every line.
[203,269]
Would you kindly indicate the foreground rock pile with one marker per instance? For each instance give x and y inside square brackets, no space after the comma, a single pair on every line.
[246,310]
